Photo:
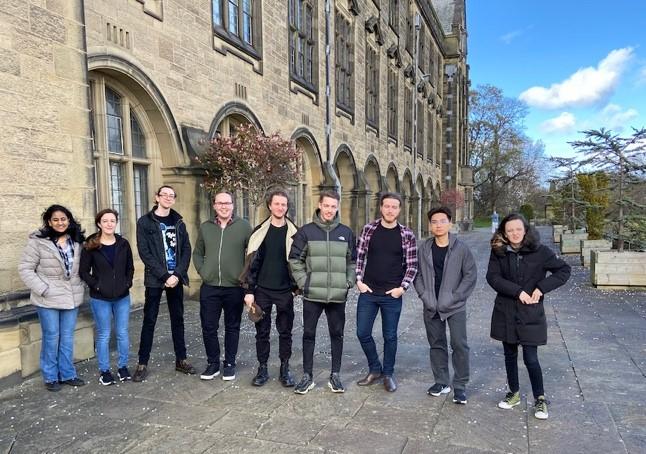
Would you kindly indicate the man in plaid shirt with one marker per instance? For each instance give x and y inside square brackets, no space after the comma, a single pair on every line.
[386,267]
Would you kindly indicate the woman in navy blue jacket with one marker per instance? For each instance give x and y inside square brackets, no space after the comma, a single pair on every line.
[518,272]
[107,268]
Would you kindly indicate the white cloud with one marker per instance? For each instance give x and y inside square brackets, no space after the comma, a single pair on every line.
[613,117]
[507,38]
[585,87]
[562,124]
[641,77]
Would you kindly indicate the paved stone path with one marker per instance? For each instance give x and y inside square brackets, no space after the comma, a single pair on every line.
[594,367]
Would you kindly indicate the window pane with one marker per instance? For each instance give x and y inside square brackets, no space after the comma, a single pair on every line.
[141,189]
[138,138]
[233,16]
[247,21]
[116,191]
[217,12]
[113,115]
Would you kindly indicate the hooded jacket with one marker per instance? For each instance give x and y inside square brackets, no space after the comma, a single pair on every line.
[219,252]
[458,279]
[150,244]
[108,282]
[255,253]
[322,260]
[509,273]
[42,269]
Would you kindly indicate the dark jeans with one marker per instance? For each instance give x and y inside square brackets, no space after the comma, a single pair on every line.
[175,300]
[284,301]
[335,313]
[367,308]
[214,300]
[530,358]
[436,334]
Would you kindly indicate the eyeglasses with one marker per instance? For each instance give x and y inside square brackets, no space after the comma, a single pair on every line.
[223,204]
[440,221]
[166,195]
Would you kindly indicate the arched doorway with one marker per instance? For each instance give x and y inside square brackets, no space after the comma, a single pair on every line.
[419,209]
[373,179]
[346,170]
[305,196]
[408,193]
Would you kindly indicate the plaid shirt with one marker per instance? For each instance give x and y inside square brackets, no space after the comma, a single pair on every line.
[409,247]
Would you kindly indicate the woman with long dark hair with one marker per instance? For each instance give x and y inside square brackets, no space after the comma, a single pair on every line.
[518,271]
[50,268]
[107,268]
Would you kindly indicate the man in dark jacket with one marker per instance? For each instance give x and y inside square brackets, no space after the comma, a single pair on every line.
[268,282]
[446,278]
[219,258]
[165,249]
[322,263]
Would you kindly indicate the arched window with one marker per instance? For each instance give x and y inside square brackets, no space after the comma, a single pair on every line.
[123,151]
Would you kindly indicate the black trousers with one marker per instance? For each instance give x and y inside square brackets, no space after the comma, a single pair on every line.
[213,301]
[530,358]
[175,299]
[284,302]
[335,313]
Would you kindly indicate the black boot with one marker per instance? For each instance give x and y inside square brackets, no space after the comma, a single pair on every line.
[285,376]
[262,376]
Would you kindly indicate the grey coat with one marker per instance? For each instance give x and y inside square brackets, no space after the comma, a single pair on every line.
[458,280]
[43,271]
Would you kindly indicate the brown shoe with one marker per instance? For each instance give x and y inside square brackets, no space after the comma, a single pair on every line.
[390,384]
[184,367]
[141,372]
[369,379]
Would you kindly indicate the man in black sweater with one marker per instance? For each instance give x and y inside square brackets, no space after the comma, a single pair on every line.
[268,282]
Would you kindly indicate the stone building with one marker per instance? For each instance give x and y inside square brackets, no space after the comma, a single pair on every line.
[103,101]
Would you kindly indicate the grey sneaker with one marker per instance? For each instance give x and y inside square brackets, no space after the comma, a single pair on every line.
[510,401]
[335,383]
[540,408]
[305,385]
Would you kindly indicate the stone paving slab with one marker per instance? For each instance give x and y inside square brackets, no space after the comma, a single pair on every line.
[593,368]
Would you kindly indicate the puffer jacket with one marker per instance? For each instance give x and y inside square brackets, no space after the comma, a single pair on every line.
[42,269]
[322,260]
[511,272]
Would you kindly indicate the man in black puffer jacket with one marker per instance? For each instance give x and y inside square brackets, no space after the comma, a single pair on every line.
[322,263]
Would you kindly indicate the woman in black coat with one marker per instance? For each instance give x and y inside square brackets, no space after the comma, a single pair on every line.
[517,271]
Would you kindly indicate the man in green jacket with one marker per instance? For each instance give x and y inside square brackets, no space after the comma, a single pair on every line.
[218,258]
[322,263]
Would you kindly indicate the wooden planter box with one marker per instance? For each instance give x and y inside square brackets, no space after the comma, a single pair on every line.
[571,242]
[614,269]
[587,246]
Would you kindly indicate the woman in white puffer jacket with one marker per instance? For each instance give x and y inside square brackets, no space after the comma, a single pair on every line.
[50,268]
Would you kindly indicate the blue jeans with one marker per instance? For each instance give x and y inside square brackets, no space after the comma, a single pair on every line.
[367,308]
[103,312]
[57,347]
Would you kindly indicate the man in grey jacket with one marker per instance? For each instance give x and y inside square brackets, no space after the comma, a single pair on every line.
[445,279]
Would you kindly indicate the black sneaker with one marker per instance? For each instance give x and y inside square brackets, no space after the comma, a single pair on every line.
[73,382]
[212,370]
[229,372]
[124,374]
[184,367]
[106,378]
[52,386]
[459,397]
[438,389]
[305,385]
[262,376]
[141,372]
[335,383]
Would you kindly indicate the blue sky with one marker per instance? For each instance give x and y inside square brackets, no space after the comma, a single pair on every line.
[576,64]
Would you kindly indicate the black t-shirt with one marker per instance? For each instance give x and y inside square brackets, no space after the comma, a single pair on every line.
[109,250]
[169,232]
[439,254]
[384,260]
[273,274]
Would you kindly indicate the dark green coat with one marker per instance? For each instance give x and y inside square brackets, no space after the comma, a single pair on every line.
[322,260]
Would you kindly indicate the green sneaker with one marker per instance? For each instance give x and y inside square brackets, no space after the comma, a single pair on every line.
[540,408]
[510,400]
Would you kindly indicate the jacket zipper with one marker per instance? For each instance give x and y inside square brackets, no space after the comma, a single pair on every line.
[220,255]
[329,265]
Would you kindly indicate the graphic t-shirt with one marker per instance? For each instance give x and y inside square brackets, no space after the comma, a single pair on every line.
[169,234]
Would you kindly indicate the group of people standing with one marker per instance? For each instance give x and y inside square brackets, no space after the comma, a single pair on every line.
[268,266]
